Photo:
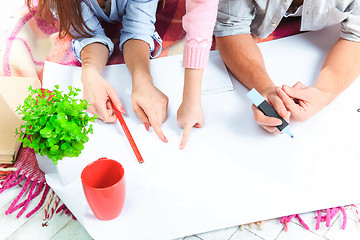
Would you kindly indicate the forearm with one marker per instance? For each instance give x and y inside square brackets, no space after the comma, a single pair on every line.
[244,59]
[136,55]
[340,69]
[94,57]
[192,85]
[148,102]
[95,88]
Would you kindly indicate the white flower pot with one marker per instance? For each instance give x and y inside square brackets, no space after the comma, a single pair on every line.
[45,164]
[65,171]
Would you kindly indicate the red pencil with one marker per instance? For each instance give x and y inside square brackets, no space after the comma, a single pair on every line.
[128,134]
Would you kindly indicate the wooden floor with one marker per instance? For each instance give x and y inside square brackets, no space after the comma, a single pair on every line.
[62,226]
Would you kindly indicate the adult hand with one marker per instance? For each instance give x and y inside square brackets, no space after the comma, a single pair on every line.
[270,123]
[188,116]
[303,102]
[100,94]
[150,105]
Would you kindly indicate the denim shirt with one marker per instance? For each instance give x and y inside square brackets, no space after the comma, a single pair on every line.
[137,16]
[261,17]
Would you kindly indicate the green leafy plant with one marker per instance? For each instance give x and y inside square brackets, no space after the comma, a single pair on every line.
[56,123]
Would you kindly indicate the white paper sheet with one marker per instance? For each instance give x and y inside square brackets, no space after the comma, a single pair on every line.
[215,78]
[231,172]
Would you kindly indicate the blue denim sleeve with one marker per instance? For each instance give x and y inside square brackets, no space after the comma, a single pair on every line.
[99,35]
[138,23]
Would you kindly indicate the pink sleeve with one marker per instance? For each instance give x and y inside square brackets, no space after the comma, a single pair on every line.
[198,22]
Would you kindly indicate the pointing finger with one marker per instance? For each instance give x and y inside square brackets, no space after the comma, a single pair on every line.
[157,128]
[185,136]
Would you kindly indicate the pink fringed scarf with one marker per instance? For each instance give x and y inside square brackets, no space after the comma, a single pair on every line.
[34,183]
[330,213]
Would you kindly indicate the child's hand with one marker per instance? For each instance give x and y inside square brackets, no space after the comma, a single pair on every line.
[303,102]
[150,105]
[98,92]
[270,123]
[189,115]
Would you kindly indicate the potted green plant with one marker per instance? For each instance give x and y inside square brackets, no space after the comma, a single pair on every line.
[56,126]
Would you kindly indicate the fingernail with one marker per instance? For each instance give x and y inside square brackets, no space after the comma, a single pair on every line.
[181,146]
[164,139]
[147,126]
[122,110]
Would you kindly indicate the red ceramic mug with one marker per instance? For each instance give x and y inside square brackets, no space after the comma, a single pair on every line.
[104,186]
